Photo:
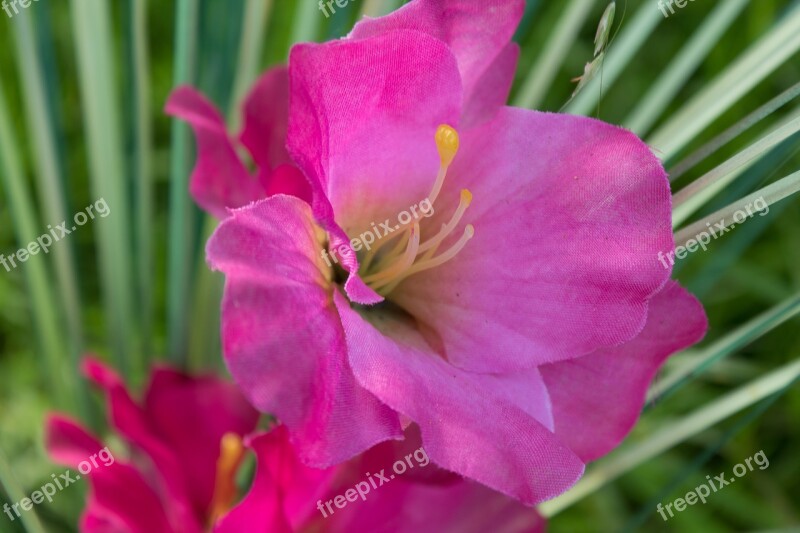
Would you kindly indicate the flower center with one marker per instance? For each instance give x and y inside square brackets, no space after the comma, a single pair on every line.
[231,453]
[384,269]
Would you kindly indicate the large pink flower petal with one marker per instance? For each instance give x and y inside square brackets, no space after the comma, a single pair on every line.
[467,427]
[281,334]
[569,214]
[219,179]
[597,398]
[424,499]
[356,130]
[192,414]
[363,116]
[477,31]
[120,499]
[461,507]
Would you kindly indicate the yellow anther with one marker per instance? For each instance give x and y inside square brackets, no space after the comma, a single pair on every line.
[231,453]
[446,143]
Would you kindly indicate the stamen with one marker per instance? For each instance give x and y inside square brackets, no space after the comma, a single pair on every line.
[447,144]
[469,232]
[230,457]
[466,199]
[395,265]
[404,263]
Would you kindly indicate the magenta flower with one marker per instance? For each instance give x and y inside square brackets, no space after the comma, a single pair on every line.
[174,481]
[518,323]
[186,449]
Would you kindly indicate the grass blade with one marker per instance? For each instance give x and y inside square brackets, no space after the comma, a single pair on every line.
[689,199]
[142,168]
[12,487]
[307,21]
[92,33]
[47,327]
[552,55]
[770,194]
[745,334]
[180,217]
[629,457]
[675,76]
[761,59]
[620,52]
[734,131]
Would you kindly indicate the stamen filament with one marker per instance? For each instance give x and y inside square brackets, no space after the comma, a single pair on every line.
[469,232]
[466,199]
[401,265]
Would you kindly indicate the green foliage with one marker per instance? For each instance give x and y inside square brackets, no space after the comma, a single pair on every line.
[102,132]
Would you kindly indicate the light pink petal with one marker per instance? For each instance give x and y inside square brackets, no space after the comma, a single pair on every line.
[490,93]
[423,499]
[462,507]
[570,214]
[467,427]
[281,335]
[266,113]
[119,500]
[525,389]
[191,414]
[477,32]
[219,179]
[362,121]
[597,398]
[131,422]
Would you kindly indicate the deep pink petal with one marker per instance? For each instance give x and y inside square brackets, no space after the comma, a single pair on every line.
[266,114]
[192,414]
[282,338]
[477,32]
[131,422]
[284,491]
[597,398]
[362,124]
[466,426]
[286,179]
[569,214]
[219,179]
[120,500]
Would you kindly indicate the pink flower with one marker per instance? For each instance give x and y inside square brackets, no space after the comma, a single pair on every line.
[220,180]
[186,449]
[518,325]
[173,481]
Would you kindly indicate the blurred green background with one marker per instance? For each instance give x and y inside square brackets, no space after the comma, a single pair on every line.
[143,293]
